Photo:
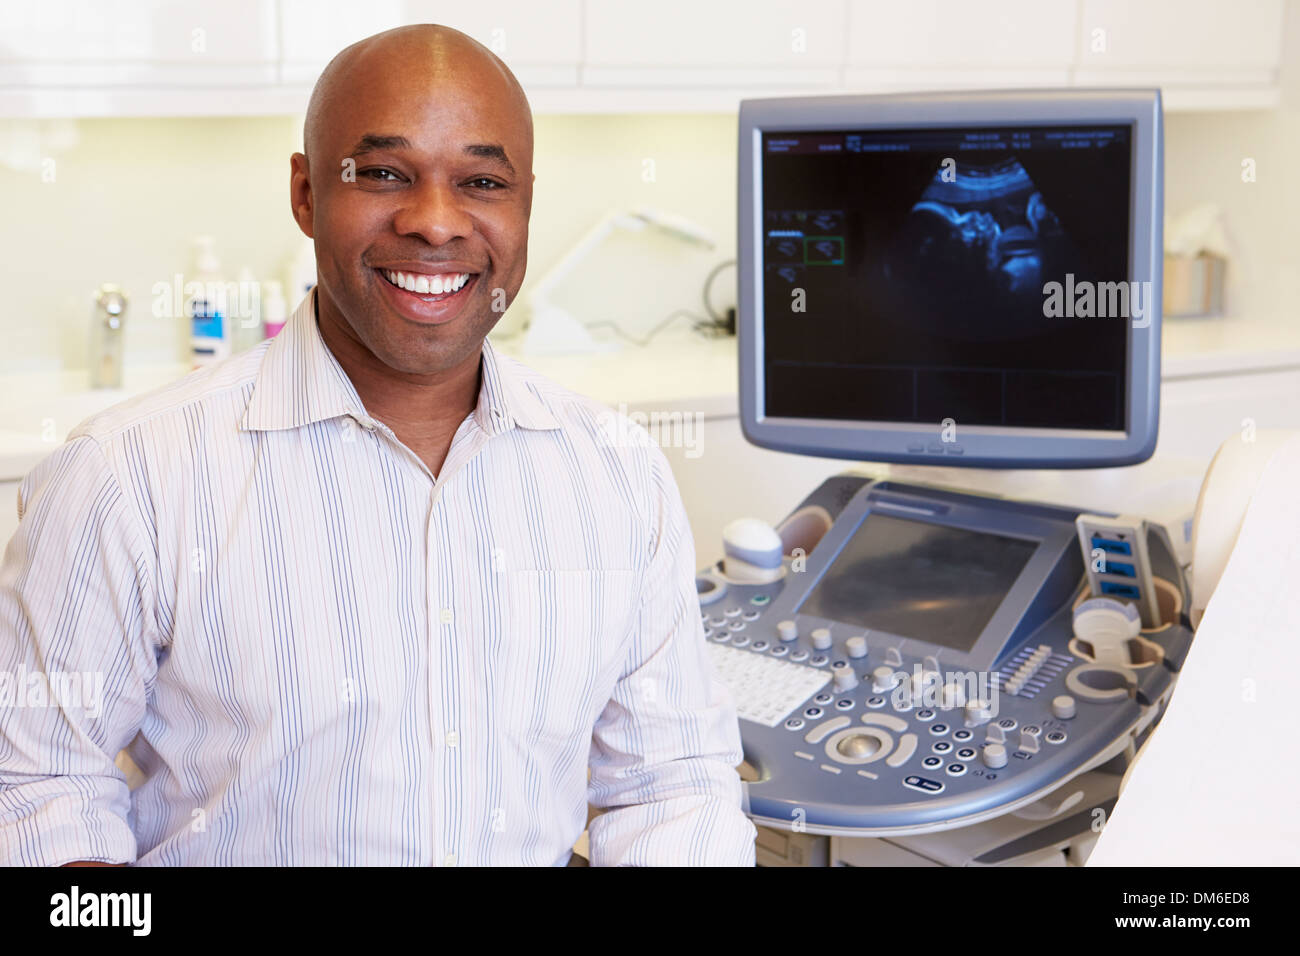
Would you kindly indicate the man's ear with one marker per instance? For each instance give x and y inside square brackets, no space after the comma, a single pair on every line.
[300,194]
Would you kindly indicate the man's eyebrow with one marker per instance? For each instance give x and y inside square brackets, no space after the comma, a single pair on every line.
[372,142]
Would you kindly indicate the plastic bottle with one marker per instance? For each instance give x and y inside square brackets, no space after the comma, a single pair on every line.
[274,310]
[210,337]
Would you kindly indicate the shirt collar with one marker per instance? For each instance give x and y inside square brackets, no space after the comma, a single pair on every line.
[300,382]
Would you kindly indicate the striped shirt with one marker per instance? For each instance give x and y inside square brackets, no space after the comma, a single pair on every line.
[317,652]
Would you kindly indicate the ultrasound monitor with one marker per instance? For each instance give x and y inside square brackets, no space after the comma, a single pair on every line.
[967,279]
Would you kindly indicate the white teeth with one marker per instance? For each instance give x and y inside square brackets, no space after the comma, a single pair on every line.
[427,285]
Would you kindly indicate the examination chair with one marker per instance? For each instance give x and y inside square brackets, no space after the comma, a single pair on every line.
[1215,783]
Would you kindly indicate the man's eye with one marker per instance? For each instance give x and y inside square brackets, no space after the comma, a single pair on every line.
[492,183]
[377,172]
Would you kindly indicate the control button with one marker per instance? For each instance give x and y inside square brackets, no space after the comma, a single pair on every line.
[857,647]
[740,640]
[829,769]
[844,703]
[859,745]
[868,774]
[825,729]
[721,636]
[819,660]
[932,762]
[883,678]
[1033,729]
[938,729]
[962,735]
[798,654]
[812,713]
[794,723]
[779,650]
[942,747]
[995,756]
[717,622]
[1055,737]
[885,720]
[844,679]
[1063,707]
[823,698]
[924,784]
[759,646]
[751,615]
[925,714]
[787,630]
[1028,741]
[803,756]
[977,713]
[736,626]
[894,657]
[759,600]
[875,702]
[906,747]
[904,705]
[821,638]
[966,753]
[732,612]
[1008,724]
[955,769]
[995,735]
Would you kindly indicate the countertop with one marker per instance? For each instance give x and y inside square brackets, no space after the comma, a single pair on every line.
[679,371]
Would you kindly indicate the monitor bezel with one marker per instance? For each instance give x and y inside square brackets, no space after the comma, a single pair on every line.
[976,446]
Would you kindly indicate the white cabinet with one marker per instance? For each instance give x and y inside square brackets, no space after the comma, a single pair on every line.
[1202,53]
[539,42]
[931,44]
[685,43]
[247,57]
[94,43]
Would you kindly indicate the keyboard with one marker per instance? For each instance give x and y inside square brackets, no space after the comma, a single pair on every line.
[765,689]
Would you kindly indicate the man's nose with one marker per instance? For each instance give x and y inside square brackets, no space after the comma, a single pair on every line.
[434,211]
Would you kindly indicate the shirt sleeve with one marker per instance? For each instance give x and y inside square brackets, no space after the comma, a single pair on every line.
[76,659]
[666,746]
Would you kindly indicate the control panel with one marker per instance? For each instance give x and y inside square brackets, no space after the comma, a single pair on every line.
[912,666]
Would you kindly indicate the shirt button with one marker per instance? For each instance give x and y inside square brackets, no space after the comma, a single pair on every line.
[445,616]
[449,859]
[453,738]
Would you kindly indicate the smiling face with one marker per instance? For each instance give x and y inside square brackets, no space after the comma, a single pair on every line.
[417,189]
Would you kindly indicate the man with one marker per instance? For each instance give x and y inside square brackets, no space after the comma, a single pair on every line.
[370,593]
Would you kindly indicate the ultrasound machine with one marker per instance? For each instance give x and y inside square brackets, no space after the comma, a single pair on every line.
[925,675]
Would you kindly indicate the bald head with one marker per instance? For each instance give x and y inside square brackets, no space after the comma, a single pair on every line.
[419,53]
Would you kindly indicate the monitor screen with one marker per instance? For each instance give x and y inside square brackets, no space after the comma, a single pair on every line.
[929,582]
[907,274]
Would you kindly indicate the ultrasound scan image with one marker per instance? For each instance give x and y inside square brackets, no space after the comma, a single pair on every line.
[985,234]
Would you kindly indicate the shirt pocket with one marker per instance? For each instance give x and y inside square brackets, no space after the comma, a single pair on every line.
[560,649]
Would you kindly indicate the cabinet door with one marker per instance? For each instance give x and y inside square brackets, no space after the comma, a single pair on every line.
[1203,53]
[676,43]
[91,43]
[937,44]
[1197,35]
[539,42]
[1198,415]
